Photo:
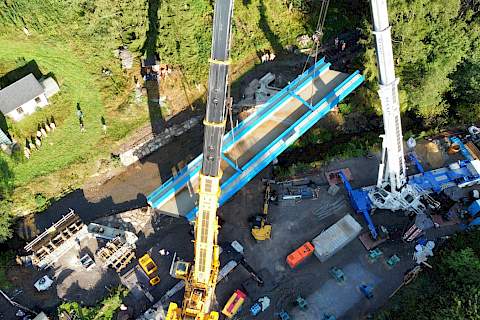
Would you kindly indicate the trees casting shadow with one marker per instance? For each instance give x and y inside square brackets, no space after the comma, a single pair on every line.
[267,30]
[150,58]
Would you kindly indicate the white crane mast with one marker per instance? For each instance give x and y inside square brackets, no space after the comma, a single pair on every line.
[392,191]
[392,166]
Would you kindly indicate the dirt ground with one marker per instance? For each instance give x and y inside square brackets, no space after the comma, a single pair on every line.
[292,226]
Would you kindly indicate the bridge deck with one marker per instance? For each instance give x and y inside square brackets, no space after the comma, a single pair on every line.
[260,138]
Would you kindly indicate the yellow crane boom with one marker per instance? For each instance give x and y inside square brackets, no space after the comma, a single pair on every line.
[201,279]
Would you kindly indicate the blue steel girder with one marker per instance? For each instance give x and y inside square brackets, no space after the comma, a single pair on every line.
[305,103]
[231,163]
[164,197]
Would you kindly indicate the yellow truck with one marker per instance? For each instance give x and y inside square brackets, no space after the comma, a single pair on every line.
[234,303]
[150,269]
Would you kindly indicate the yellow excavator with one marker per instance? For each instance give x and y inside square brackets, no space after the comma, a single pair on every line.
[201,276]
[261,229]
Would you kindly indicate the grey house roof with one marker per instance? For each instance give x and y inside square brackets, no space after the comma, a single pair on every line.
[50,86]
[19,92]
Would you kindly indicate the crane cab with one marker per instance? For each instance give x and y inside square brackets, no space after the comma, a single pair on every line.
[180,270]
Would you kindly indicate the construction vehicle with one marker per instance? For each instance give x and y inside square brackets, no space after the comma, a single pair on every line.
[261,229]
[201,277]
[391,192]
[150,269]
[234,303]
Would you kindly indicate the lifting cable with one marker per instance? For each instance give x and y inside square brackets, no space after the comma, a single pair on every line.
[317,37]
[229,101]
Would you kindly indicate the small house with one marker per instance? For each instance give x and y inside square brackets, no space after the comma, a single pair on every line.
[25,96]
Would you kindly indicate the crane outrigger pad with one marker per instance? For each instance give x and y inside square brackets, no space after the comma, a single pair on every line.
[260,138]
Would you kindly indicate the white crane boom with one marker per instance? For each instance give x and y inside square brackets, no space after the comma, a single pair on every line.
[392,191]
[392,166]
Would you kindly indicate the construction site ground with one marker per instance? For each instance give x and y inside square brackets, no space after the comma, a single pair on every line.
[293,225]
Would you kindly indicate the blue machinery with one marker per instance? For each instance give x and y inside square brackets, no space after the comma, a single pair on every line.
[463,149]
[360,203]
[461,174]
[260,138]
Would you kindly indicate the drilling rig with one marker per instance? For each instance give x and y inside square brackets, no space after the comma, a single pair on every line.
[201,277]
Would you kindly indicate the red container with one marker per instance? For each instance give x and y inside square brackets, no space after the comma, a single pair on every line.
[299,255]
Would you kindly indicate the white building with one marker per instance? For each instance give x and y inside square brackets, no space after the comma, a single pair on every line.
[25,96]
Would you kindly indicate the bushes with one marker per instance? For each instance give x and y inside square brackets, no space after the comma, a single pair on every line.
[450,291]
[105,310]
[41,201]
[6,261]
[320,141]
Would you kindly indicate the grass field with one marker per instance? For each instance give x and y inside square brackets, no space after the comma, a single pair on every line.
[81,82]
[66,145]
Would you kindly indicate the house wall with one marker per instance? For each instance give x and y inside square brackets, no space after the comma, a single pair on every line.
[28,108]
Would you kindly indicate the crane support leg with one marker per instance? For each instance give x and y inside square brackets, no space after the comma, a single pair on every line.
[360,203]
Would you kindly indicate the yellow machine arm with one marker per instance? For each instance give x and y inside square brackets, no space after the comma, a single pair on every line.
[201,278]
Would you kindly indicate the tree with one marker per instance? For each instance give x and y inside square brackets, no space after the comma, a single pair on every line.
[451,289]
[431,38]
[105,310]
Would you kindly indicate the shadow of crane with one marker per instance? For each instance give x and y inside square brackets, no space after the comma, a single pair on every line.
[267,30]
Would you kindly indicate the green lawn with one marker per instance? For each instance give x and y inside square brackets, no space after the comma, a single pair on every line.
[66,145]
[80,80]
